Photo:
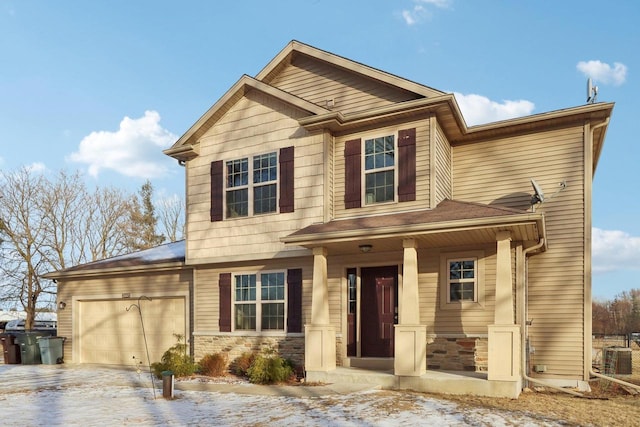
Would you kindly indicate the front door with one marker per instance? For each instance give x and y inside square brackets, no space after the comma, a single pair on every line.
[378,310]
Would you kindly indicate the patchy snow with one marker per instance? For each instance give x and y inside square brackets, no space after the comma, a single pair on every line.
[72,395]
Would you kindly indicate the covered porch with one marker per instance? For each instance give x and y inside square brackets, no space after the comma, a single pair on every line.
[404,366]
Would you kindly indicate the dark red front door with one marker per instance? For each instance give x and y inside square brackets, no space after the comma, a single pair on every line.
[378,310]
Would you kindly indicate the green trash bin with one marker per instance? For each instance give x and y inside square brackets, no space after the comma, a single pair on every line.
[29,349]
[51,350]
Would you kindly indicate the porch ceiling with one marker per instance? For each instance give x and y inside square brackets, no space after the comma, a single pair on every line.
[450,224]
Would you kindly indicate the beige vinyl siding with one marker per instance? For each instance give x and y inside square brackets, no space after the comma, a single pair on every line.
[422,172]
[499,172]
[465,321]
[442,166]
[257,124]
[207,294]
[317,82]
[151,284]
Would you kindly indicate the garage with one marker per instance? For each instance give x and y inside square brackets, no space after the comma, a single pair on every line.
[98,306]
[111,331]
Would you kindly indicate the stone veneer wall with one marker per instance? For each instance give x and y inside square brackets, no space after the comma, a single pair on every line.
[233,346]
[458,354]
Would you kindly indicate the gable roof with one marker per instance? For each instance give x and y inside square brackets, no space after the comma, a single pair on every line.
[169,254]
[298,48]
[182,149]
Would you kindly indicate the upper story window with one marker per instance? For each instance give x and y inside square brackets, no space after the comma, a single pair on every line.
[253,185]
[258,195]
[379,169]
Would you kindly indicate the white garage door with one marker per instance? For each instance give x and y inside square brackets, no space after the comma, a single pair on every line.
[110,334]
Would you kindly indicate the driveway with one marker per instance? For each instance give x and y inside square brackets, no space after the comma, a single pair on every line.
[95,395]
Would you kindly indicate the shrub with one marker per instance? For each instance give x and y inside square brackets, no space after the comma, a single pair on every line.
[213,365]
[269,368]
[241,364]
[175,359]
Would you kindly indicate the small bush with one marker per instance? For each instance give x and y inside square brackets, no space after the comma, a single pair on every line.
[269,368]
[213,365]
[175,359]
[241,364]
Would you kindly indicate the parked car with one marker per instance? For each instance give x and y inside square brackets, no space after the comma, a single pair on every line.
[39,325]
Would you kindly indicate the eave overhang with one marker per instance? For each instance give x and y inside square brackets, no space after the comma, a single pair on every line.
[113,271]
[444,107]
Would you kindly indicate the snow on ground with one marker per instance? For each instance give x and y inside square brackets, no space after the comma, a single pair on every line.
[69,395]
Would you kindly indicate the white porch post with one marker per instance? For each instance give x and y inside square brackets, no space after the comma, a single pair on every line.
[410,358]
[504,334]
[320,336]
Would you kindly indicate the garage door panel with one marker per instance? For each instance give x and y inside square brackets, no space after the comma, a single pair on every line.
[110,334]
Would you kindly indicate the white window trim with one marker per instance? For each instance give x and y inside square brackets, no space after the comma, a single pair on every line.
[364,173]
[250,185]
[258,302]
[479,288]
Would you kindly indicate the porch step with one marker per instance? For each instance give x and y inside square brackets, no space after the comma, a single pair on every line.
[372,363]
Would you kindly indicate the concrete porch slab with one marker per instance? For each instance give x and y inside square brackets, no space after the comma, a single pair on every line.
[440,382]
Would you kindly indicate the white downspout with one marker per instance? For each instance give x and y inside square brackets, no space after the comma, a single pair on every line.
[524,327]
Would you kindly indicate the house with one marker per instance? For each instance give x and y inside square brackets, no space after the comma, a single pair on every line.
[350,219]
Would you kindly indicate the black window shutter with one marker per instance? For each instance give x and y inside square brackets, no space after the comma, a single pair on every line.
[407,165]
[294,300]
[216,190]
[286,180]
[224,283]
[353,179]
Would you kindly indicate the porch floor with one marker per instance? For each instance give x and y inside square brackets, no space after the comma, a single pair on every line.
[442,382]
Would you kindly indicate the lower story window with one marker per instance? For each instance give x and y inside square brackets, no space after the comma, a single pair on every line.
[462,280]
[259,303]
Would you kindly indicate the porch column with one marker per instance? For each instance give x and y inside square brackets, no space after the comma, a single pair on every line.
[320,336]
[504,334]
[504,311]
[410,358]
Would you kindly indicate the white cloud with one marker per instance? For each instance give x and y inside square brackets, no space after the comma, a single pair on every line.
[419,12]
[614,250]
[135,149]
[36,167]
[604,73]
[478,109]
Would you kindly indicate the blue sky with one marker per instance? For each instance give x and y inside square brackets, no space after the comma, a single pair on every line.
[104,86]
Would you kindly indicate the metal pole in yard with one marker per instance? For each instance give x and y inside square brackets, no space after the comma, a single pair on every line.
[144,334]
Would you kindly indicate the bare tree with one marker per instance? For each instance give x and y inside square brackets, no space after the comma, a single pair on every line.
[106,223]
[53,224]
[170,214]
[25,252]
